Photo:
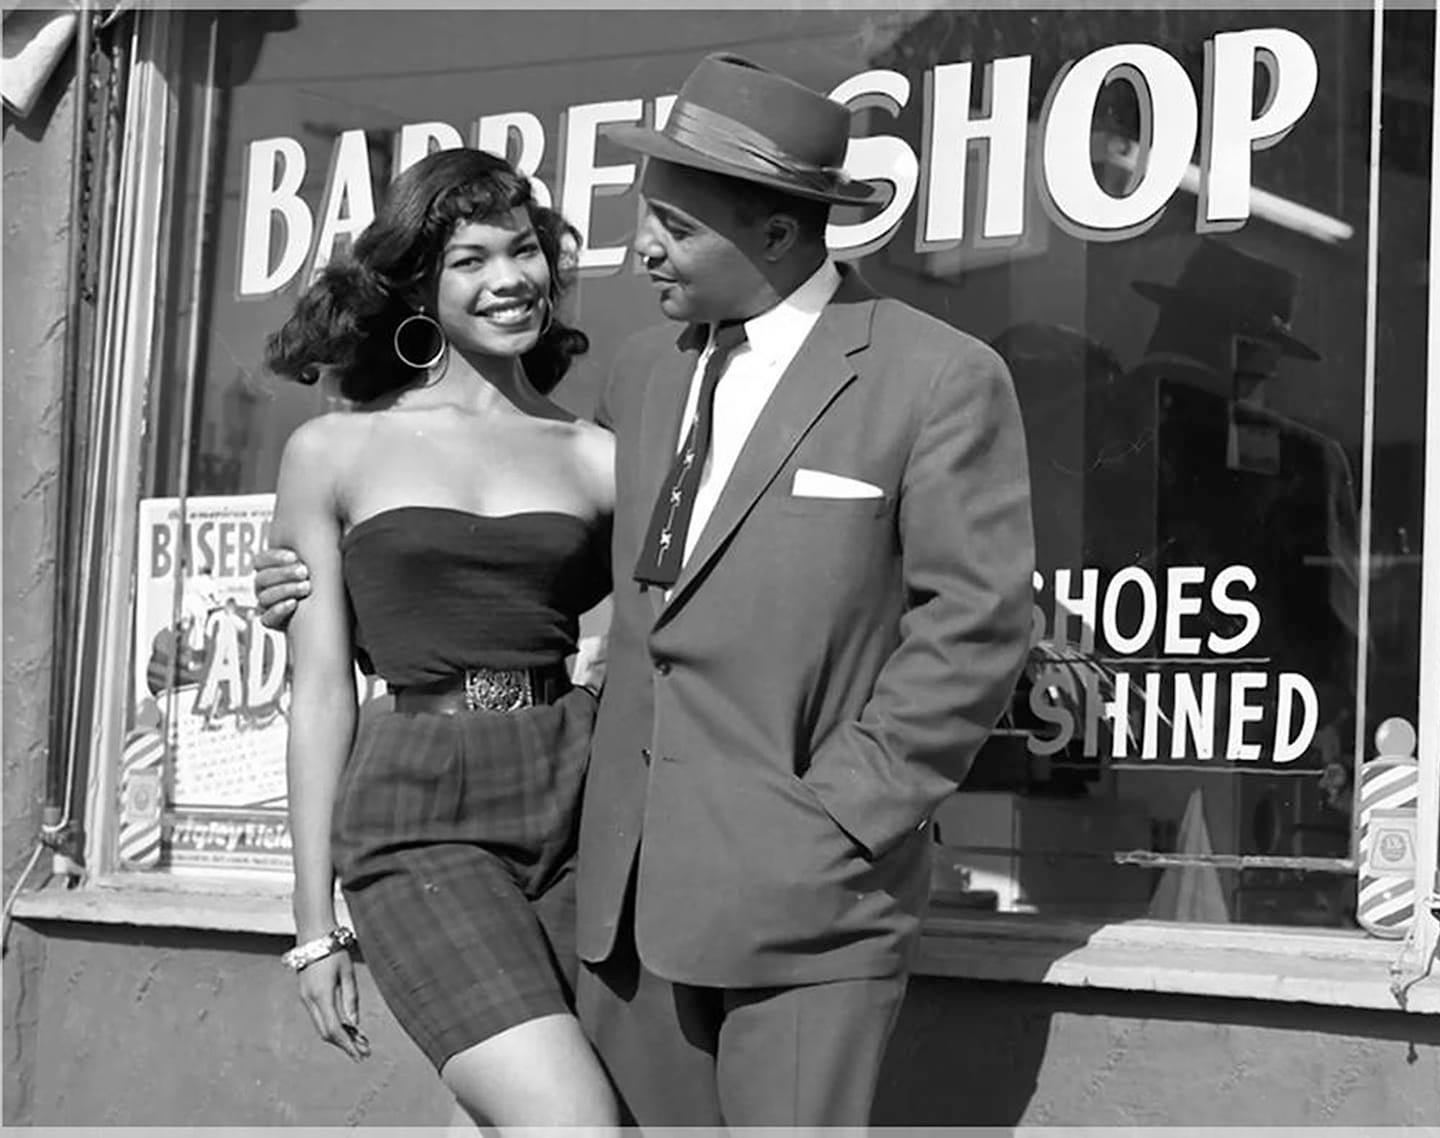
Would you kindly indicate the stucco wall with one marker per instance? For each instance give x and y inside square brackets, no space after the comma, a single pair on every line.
[1000,1054]
[170,1028]
[36,154]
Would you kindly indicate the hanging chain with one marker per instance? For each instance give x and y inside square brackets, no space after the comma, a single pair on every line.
[101,126]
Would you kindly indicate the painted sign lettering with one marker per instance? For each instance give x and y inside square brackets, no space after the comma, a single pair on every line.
[282,235]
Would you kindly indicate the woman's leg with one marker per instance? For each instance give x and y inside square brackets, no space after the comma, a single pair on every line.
[535,1074]
[461,1125]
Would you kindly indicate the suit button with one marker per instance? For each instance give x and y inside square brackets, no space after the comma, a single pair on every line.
[663,667]
[645,754]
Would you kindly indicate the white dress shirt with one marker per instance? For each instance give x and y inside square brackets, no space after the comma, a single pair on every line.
[772,340]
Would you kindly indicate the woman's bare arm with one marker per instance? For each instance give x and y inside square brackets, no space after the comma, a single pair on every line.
[322,705]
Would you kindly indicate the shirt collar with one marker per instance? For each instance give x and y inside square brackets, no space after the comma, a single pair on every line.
[780,329]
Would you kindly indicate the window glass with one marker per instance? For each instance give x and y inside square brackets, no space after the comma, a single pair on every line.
[1165,222]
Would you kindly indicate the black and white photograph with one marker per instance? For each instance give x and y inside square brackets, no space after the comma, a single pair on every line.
[642,568]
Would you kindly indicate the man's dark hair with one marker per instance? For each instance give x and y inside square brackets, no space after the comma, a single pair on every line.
[754,202]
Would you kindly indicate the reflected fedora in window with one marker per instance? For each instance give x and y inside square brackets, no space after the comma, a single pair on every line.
[737,118]
[1248,293]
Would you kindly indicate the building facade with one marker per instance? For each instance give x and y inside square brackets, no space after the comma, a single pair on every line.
[1191,878]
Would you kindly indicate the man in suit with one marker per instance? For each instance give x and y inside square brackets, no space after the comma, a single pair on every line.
[849,615]
[822,554]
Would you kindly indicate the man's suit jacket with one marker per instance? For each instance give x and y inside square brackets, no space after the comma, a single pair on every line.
[780,729]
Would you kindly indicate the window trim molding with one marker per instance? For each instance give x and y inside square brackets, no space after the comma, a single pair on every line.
[1328,967]
[1333,967]
[1425,931]
[127,362]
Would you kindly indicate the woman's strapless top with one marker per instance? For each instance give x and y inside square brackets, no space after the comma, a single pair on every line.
[436,590]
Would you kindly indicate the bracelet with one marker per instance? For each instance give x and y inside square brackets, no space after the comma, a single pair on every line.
[303,955]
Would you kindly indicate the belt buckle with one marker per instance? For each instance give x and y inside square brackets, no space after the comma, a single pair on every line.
[498,690]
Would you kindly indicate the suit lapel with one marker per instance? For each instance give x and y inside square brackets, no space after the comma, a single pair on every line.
[818,373]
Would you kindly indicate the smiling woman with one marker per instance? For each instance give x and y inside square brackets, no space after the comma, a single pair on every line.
[494,286]
[460,889]
[441,237]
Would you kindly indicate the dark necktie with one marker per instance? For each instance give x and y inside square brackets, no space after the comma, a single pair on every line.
[664,548]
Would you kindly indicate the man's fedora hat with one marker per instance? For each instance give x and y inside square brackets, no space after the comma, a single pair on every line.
[1250,294]
[736,118]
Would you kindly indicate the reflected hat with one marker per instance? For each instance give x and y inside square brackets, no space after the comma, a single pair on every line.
[1251,294]
[736,118]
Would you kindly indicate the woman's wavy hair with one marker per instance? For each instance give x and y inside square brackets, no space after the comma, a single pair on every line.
[345,321]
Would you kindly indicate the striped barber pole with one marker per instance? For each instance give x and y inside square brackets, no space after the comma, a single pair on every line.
[1387,803]
[142,796]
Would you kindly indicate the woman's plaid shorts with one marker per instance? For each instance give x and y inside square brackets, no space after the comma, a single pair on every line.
[454,840]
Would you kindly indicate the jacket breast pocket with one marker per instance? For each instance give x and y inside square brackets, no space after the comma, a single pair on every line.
[816,559]
[833,508]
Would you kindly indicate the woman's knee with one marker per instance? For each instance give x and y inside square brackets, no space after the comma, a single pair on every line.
[539,1073]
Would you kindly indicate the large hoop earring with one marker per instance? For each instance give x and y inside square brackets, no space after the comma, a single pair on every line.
[439,336]
[549,321]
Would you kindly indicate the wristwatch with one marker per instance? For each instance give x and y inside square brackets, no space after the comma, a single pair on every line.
[303,955]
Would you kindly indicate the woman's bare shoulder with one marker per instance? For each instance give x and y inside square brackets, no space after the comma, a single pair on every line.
[595,441]
[321,454]
[596,447]
[593,434]
[330,436]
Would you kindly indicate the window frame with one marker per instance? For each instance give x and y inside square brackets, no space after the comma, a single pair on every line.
[125,360]
[1341,967]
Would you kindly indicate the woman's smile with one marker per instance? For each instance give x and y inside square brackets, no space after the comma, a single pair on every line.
[511,314]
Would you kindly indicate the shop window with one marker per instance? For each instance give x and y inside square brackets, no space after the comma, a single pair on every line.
[1203,263]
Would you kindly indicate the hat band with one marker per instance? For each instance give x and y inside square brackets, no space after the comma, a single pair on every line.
[725,139]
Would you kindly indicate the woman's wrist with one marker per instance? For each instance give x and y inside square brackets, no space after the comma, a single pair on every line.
[312,901]
[308,928]
[312,922]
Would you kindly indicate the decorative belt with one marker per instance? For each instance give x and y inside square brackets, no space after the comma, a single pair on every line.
[485,689]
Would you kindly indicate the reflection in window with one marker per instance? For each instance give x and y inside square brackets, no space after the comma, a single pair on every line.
[1226,483]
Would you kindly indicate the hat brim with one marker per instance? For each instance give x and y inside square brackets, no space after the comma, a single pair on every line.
[844,191]
[1288,344]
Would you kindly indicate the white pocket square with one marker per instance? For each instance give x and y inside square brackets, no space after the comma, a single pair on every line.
[819,484]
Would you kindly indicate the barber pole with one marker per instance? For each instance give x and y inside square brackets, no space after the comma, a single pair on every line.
[141,799]
[1387,802]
